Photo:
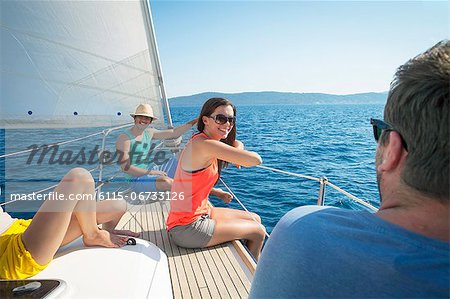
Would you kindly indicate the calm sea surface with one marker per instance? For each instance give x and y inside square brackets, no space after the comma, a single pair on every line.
[317,140]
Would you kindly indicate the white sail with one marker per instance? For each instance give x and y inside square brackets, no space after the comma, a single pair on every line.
[77,63]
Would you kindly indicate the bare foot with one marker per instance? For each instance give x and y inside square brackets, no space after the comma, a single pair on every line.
[105,239]
[126,232]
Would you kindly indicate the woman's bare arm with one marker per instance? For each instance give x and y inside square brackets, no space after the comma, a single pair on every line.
[222,151]
[175,132]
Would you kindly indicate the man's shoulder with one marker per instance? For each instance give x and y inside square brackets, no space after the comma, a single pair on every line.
[305,214]
[308,221]
[306,210]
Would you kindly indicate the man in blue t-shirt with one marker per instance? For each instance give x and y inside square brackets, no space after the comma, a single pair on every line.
[402,250]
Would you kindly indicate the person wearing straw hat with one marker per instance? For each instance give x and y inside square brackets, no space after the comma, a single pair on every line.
[135,148]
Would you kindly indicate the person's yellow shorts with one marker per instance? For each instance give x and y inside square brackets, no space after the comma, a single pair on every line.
[15,261]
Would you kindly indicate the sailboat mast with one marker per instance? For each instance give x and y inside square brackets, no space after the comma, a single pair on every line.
[154,49]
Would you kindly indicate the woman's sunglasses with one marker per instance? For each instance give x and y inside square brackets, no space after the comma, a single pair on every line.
[379,126]
[145,117]
[222,119]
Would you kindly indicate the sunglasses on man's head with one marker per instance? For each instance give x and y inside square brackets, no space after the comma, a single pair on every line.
[379,126]
[222,119]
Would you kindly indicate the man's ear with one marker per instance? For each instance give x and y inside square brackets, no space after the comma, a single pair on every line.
[392,153]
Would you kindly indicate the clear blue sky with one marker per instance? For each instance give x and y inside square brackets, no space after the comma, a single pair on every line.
[332,47]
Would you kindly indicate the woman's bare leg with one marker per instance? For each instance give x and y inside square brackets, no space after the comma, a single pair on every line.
[233,213]
[109,213]
[232,225]
[50,224]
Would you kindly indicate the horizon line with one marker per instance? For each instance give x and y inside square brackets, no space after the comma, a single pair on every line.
[273,91]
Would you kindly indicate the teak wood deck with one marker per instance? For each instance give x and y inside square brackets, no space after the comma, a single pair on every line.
[213,272]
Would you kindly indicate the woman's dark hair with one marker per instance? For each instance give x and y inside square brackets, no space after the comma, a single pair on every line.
[208,108]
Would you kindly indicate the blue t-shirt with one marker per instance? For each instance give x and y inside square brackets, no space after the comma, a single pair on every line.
[329,252]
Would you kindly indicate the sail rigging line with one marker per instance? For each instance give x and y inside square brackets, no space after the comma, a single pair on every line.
[107,131]
[31,60]
[64,142]
[79,83]
[102,183]
[360,201]
[289,173]
[85,86]
[40,191]
[133,217]
[72,48]
[242,205]
[52,144]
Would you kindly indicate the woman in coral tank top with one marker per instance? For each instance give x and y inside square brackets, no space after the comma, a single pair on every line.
[191,222]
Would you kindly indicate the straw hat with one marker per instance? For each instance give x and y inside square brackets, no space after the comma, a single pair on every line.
[144,110]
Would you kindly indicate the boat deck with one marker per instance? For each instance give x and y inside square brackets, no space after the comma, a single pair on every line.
[214,272]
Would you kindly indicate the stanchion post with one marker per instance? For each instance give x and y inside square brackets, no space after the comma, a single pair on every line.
[323,183]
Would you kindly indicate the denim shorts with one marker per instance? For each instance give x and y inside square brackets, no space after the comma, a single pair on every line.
[194,235]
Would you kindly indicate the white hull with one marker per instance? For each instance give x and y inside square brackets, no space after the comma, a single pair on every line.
[134,271]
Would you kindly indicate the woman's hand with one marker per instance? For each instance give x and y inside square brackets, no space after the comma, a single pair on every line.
[225,196]
[193,122]
[157,172]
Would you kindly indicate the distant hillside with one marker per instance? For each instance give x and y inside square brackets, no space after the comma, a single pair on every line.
[280,98]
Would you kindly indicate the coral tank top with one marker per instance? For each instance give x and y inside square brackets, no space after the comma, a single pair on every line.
[190,190]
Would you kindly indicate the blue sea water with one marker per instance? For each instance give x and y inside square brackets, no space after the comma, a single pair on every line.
[317,140]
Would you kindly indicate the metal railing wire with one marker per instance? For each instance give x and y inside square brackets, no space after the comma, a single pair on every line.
[243,206]
[104,132]
[322,180]
[40,191]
